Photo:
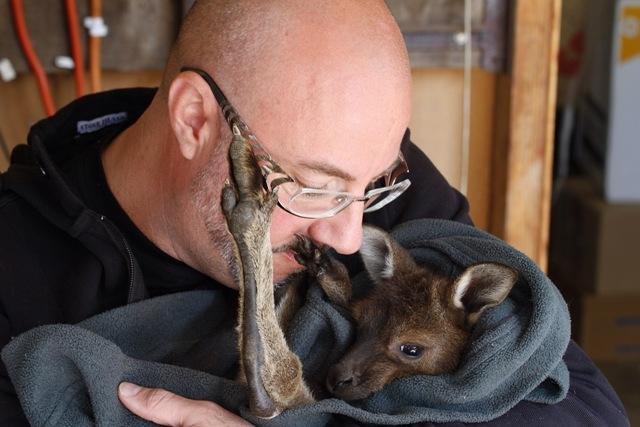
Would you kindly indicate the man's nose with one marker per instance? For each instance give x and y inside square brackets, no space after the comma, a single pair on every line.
[342,232]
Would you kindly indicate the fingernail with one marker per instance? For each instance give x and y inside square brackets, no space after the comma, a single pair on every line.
[128,389]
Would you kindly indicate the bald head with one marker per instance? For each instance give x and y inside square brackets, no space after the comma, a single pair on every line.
[254,48]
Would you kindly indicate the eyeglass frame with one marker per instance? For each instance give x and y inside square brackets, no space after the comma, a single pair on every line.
[240,129]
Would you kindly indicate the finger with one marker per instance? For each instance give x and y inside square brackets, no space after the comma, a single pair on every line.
[165,408]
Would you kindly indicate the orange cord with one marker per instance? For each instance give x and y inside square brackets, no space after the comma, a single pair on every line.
[95,43]
[35,65]
[76,48]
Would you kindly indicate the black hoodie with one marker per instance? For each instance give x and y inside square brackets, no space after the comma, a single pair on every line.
[61,262]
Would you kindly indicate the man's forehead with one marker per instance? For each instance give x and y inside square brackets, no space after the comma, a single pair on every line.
[346,153]
[348,131]
[356,166]
[335,171]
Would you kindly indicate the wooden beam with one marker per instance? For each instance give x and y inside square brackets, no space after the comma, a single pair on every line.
[525,126]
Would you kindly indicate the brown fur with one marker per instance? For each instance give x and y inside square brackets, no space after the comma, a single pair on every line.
[409,308]
[273,374]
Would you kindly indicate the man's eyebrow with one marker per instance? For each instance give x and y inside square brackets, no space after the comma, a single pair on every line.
[327,169]
[331,170]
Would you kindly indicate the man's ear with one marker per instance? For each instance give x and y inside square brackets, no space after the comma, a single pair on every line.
[193,113]
[482,286]
[383,257]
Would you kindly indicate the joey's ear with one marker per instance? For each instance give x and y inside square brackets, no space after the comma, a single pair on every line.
[193,113]
[482,286]
[383,257]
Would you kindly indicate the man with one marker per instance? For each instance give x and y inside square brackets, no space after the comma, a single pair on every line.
[117,196]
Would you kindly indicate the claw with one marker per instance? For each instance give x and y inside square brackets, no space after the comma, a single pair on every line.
[302,248]
[308,254]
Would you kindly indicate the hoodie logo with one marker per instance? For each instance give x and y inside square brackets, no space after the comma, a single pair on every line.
[88,126]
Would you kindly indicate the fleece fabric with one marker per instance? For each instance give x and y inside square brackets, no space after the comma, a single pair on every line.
[185,342]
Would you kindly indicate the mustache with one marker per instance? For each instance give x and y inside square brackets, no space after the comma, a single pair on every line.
[304,249]
[294,245]
[284,248]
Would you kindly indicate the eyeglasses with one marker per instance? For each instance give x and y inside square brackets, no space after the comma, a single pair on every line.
[298,200]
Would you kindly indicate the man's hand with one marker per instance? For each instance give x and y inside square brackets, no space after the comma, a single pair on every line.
[165,408]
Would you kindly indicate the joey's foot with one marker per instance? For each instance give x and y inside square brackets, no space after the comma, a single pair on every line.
[246,205]
[330,273]
[247,209]
[309,255]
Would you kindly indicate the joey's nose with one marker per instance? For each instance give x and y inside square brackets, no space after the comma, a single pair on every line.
[338,380]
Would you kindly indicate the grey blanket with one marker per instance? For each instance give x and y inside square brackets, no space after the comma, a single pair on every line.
[68,374]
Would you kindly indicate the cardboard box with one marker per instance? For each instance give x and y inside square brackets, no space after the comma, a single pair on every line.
[608,327]
[611,88]
[623,150]
[594,245]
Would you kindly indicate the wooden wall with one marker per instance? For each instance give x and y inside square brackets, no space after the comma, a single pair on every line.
[436,127]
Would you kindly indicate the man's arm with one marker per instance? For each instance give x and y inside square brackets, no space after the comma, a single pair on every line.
[10,410]
[591,401]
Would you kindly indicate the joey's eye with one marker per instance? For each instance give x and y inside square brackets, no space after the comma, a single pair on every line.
[411,350]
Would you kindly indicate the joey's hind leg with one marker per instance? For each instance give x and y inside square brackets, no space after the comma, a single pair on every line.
[272,372]
[241,205]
